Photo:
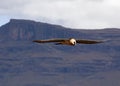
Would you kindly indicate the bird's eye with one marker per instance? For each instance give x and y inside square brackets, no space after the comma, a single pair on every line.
[74,42]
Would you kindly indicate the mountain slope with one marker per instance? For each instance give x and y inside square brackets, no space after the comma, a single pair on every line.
[52,65]
[16,32]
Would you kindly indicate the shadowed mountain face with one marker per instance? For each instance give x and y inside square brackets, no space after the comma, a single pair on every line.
[27,30]
[24,63]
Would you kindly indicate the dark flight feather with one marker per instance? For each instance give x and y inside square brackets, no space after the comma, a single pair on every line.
[49,40]
[88,41]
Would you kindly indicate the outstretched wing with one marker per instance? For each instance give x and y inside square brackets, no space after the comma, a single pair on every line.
[88,41]
[49,41]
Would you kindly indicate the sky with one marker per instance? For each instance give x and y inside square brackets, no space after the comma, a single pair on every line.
[78,14]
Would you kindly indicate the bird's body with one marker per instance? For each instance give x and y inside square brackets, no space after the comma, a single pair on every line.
[70,41]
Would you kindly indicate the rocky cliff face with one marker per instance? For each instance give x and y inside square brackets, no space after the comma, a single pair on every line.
[27,30]
[18,30]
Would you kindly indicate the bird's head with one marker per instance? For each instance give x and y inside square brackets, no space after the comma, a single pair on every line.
[72,41]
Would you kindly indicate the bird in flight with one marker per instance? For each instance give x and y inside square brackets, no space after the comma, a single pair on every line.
[70,41]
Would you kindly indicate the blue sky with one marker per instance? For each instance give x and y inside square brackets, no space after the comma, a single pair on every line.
[83,14]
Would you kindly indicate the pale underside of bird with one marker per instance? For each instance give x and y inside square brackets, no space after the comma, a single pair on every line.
[70,41]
